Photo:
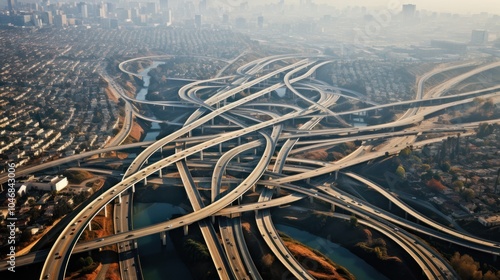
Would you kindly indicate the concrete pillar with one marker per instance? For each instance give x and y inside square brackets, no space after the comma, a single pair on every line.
[253,188]
[120,199]
[220,148]
[78,163]
[311,199]
[332,207]
[163,237]
[406,215]
[90,225]
[106,211]
[308,180]
[212,218]
[390,205]
[201,155]
[186,230]
[278,189]
[336,174]
[133,188]
[160,172]
[145,180]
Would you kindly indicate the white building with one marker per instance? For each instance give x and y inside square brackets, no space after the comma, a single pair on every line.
[47,183]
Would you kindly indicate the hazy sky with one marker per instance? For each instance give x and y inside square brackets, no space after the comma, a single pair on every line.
[453,6]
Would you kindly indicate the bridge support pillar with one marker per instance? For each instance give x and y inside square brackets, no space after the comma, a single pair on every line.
[160,172]
[390,205]
[186,230]
[220,148]
[133,188]
[201,155]
[145,180]
[308,180]
[311,199]
[78,163]
[336,174]
[90,225]
[106,211]
[253,188]
[120,199]
[163,237]
[212,218]
[406,215]
[278,189]
[332,207]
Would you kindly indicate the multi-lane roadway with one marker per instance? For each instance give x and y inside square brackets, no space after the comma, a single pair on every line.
[242,120]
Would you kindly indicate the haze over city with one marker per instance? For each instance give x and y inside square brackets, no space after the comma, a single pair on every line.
[231,139]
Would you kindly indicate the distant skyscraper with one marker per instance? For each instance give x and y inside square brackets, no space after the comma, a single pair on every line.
[260,21]
[168,17]
[409,10]
[11,4]
[203,5]
[151,8]
[163,5]
[47,18]
[60,20]
[197,21]
[102,10]
[84,12]
[479,37]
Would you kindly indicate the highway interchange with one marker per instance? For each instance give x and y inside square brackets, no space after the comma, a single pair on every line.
[252,136]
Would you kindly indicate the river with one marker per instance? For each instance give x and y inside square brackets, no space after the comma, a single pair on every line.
[339,255]
[157,261]
[141,95]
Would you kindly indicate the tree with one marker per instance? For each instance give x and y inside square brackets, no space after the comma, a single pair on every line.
[401,172]
[468,194]
[406,152]
[354,221]
[446,166]
[88,261]
[466,267]
[458,185]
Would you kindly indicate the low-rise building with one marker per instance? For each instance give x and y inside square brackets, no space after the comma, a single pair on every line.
[489,220]
[47,183]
